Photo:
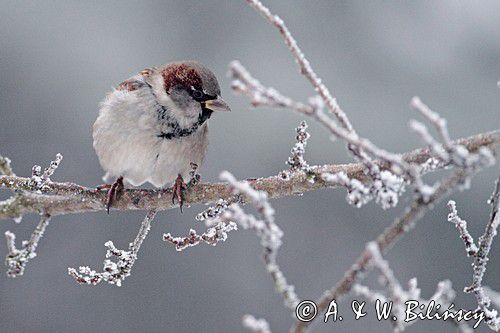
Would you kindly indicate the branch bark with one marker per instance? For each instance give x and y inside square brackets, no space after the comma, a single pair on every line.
[57,198]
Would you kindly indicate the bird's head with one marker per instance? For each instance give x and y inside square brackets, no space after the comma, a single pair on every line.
[189,89]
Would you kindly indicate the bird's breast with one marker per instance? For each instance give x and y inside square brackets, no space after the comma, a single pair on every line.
[127,141]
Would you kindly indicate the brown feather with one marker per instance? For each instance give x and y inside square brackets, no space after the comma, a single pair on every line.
[181,74]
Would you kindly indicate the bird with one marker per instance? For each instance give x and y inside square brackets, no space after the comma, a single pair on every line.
[153,127]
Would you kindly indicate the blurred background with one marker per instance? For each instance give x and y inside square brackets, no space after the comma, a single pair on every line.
[59,58]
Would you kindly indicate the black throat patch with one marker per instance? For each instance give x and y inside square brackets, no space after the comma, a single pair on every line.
[178,132]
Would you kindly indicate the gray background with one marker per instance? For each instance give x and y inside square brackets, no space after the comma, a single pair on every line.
[59,58]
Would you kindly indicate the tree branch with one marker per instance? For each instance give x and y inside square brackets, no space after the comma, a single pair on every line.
[57,198]
[480,252]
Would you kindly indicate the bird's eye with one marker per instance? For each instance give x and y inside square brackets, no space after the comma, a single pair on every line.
[197,94]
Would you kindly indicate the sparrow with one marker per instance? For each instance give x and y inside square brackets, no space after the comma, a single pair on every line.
[154,126]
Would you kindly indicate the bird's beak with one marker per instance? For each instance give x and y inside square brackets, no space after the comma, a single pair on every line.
[217,104]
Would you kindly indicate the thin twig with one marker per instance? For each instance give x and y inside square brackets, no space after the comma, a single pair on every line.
[305,66]
[481,258]
[115,272]
[16,259]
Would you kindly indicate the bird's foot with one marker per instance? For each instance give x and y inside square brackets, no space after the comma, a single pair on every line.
[177,191]
[115,190]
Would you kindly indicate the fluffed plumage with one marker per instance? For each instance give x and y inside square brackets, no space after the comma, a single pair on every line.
[153,125]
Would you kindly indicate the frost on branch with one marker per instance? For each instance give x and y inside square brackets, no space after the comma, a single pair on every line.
[394,292]
[461,225]
[480,253]
[115,272]
[39,179]
[213,235]
[16,259]
[5,167]
[445,151]
[216,233]
[357,193]
[24,188]
[256,325]
[297,161]
[213,211]
[386,188]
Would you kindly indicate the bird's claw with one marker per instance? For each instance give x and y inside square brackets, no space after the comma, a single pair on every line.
[114,192]
[177,191]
